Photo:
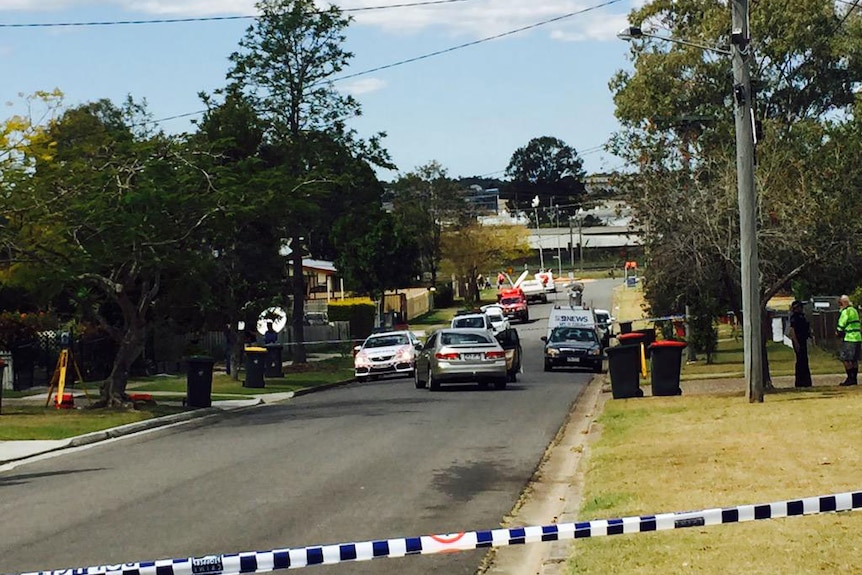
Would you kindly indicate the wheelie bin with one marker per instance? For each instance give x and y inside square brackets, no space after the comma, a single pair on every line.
[255,367]
[624,369]
[199,381]
[273,360]
[666,366]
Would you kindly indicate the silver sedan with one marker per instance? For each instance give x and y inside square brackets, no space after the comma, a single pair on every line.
[460,355]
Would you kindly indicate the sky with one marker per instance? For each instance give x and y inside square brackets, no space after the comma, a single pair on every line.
[468,108]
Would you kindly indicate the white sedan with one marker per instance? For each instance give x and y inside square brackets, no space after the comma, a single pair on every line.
[387,353]
[497,316]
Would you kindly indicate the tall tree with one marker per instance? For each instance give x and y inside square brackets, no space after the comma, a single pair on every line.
[107,208]
[549,168]
[425,201]
[471,248]
[284,66]
[678,132]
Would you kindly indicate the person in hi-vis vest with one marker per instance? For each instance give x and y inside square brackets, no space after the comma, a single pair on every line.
[849,328]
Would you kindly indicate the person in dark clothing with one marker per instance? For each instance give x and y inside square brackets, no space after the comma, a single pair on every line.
[800,332]
[271,336]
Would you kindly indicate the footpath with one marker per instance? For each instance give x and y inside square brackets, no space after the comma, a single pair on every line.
[13,451]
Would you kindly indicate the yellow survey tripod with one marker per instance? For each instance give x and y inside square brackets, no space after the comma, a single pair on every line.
[58,379]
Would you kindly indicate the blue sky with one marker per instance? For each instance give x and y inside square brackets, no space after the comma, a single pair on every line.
[468,109]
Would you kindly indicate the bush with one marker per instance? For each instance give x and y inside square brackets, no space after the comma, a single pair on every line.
[444,296]
[358,311]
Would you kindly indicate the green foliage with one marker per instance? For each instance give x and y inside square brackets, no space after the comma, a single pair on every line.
[677,130]
[444,296]
[548,168]
[424,203]
[359,312]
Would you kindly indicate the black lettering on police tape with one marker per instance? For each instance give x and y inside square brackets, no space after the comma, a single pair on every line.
[689,522]
[208,564]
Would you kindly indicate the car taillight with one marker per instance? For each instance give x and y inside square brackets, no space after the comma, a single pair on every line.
[447,356]
[495,355]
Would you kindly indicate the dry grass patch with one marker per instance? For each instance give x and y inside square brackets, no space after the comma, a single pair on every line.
[683,453]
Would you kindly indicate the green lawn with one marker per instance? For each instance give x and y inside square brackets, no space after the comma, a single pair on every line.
[295,377]
[35,421]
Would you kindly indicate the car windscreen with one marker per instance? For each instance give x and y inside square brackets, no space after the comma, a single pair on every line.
[495,317]
[510,300]
[562,334]
[469,322]
[465,339]
[386,341]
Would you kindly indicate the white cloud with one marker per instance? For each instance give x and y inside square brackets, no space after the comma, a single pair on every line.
[471,19]
[363,86]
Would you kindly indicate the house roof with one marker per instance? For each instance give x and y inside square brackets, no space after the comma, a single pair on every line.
[322,266]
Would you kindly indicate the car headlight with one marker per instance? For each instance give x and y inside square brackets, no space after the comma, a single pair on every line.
[552,351]
[404,354]
[596,351]
[361,360]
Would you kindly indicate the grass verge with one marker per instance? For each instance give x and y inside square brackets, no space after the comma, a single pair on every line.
[35,421]
[691,452]
[24,422]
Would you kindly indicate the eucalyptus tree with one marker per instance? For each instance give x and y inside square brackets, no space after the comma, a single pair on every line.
[426,201]
[676,111]
[549,168]
[104,207]
[285,67]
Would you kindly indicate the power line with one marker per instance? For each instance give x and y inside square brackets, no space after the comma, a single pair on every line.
[438,52]
[211,18]
[479,41]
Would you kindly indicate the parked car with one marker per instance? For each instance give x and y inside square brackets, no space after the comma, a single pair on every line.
[498,318]
[573,347]
[461,355]
[604,321]
[534,290]
[387,353]
[514,304]
[510,341]
[476,320]
[316,318]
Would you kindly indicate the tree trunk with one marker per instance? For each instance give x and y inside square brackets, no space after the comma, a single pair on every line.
[298,303]
[113,392]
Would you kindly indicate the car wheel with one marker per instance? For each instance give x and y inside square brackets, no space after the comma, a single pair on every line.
[597,368]
[500,384]
[416,381]
[547,365]
[433,384]
[526,317]
[513,376]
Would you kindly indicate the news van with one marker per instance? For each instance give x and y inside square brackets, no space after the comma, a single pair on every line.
[572,339]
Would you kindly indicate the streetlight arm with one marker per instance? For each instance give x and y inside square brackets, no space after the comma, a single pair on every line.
[635,32]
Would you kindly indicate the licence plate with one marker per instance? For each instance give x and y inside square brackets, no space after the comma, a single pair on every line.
[573,359]
[473,356]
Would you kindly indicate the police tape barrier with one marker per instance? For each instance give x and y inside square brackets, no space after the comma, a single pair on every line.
[268,561]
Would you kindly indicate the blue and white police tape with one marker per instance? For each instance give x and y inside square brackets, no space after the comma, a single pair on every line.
[268,561]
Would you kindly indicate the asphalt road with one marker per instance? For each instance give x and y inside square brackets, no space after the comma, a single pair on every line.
[363,461]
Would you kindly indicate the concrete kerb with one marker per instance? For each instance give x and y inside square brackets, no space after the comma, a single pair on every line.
[16,451]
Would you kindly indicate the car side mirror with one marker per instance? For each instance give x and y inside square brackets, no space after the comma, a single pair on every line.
[418,346]
[357,347]
[544,338]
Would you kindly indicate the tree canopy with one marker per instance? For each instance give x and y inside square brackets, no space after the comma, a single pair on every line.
[676,111]
[548,168]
